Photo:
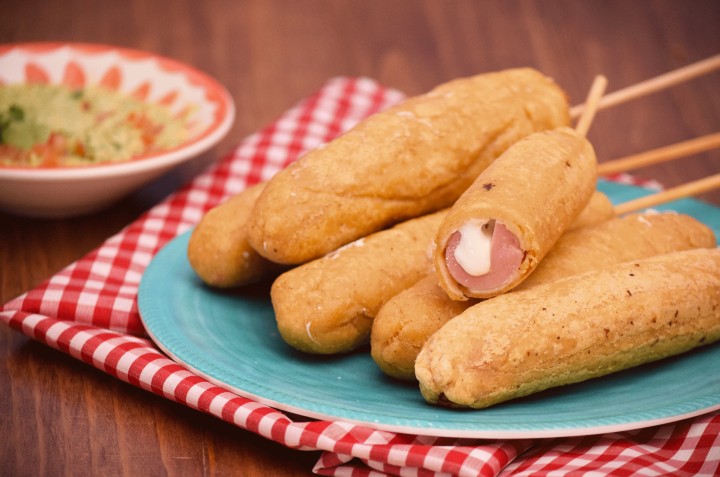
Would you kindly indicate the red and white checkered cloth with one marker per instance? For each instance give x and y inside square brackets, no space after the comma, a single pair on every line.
[89,310]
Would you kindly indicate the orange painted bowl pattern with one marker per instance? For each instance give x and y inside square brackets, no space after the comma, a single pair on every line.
[205,104]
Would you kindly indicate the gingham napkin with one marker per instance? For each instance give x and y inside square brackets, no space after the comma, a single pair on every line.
[89,310]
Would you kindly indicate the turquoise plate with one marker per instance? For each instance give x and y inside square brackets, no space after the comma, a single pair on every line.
[230,339]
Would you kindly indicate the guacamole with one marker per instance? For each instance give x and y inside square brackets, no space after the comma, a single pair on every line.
[55,125]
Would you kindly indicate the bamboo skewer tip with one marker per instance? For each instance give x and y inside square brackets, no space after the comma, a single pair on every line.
[597,89]
[660,155]
[653,85]
[690,189]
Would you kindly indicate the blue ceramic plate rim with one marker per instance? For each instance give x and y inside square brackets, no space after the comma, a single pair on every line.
[230,339]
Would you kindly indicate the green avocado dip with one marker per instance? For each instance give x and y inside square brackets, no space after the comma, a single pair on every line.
[43,125]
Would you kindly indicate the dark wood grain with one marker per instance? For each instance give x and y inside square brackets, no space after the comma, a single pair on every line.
[61,417]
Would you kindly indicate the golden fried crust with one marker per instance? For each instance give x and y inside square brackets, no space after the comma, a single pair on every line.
[327,305]
[218,250]
[598,209]
[536,189]
[404,162]
[632,237]
[574,329]
[406,322]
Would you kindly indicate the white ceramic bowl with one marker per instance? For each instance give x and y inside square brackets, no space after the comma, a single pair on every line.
[71,191]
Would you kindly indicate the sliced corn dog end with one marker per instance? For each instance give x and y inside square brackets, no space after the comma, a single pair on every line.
[499,230]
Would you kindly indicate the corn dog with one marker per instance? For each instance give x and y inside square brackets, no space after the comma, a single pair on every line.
[500,229]
[574,329]
[327,305]
[406,321]
[218,250]
[407,161]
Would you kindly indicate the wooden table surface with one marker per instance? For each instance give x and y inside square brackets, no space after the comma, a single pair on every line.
[61,417]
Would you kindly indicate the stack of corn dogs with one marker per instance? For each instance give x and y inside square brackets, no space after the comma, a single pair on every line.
[461,235]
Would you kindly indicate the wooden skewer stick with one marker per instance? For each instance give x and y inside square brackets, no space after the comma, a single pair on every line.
[591,104]
[653,85]
[686,190]
[663,154]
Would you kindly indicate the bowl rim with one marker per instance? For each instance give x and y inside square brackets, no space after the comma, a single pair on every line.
[214,91]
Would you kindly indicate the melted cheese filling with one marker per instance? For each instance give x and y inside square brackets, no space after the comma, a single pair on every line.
[474,250]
